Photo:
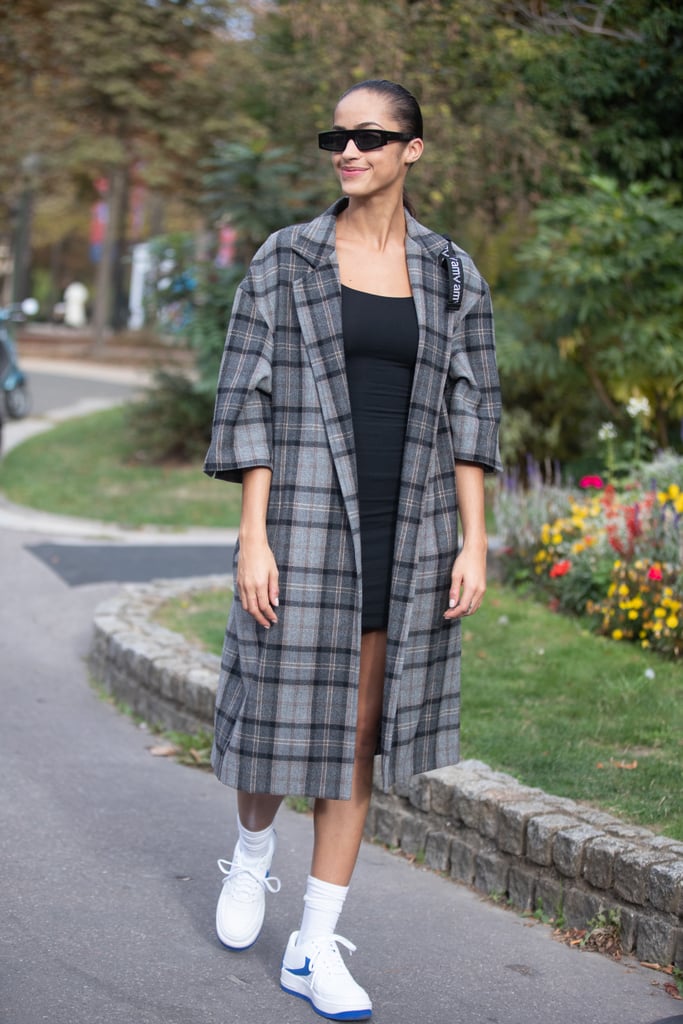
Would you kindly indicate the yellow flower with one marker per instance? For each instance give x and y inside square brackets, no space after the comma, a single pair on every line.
[633,615]
[611,590]
[672,621]
[660,613]
[556,538]
[617,634]
[623,590]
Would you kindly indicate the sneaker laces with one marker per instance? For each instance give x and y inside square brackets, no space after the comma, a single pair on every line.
[245,881]
[327,953]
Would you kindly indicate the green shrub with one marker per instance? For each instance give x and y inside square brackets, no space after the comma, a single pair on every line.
[172,423]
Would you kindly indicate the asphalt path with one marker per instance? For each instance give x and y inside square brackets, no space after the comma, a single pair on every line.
[108,882]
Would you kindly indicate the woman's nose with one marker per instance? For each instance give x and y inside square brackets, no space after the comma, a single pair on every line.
[354,150]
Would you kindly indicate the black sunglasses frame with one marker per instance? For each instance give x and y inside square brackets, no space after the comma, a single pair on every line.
[337,140]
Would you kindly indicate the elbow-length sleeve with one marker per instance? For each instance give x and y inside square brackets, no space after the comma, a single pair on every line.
[474,400]
[242,424]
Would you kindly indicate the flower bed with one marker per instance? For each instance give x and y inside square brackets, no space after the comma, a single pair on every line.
[611,552]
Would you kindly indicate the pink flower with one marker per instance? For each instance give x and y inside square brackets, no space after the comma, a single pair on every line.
[654,573]
[591,481]
[560,569]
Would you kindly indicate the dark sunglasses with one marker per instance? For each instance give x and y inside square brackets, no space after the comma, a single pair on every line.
[365,139]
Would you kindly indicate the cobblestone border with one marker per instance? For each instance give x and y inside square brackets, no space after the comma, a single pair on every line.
[479,826]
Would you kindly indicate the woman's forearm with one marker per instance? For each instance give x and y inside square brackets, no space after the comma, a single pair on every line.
[255,495]
[469,480]
[468,578]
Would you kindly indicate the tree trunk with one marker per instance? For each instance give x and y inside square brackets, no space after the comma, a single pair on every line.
[22,246]
[105,270]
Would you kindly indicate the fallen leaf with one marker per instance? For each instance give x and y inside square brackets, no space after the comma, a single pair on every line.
[627,766]
[164,750]
[672,990]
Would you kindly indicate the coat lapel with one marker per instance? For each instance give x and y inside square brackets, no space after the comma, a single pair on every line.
[317,297]
[427,278]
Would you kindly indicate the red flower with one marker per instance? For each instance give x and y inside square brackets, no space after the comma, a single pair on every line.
[560,569]
[591,481]
[654,573]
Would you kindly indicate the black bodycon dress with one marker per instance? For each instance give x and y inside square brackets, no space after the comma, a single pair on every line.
[380,343]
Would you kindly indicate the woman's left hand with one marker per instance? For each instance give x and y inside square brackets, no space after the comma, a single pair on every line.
[468,583]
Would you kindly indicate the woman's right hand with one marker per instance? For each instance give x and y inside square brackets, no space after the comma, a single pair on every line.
[257,581]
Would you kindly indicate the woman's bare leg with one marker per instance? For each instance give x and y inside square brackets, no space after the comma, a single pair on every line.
[339,824]
[257,810]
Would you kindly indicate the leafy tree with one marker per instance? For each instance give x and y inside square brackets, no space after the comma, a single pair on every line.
[610,77]
[258,188]
[112,88]
[139,83]
[605,288]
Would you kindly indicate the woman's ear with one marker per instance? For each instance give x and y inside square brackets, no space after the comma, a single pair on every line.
[414,151]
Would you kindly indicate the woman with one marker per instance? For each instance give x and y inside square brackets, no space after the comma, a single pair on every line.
[358,404]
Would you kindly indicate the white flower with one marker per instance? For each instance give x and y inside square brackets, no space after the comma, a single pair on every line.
[649,673]
[607,432]
[638,407]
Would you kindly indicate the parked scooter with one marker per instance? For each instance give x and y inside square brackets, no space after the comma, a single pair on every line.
[13,380]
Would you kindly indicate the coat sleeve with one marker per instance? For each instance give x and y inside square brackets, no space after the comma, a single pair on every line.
[242,428]
[475,402]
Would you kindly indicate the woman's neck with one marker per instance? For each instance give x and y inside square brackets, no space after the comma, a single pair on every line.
[376,223]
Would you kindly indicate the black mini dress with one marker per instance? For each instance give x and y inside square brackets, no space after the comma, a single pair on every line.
[380,344]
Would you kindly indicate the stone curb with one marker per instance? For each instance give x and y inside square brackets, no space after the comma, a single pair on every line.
[476,825]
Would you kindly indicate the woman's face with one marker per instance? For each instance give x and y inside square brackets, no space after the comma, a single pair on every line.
[376,171]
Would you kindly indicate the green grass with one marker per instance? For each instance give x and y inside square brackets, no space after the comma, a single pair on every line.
[82,468]
[200,617]
[568,711]
[553,705]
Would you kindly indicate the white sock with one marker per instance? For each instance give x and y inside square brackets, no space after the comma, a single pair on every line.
[254,845]
[323,904]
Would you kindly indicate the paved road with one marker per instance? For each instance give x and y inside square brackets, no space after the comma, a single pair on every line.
[108,880]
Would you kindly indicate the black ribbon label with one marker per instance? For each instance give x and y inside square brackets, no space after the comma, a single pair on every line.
[456,276]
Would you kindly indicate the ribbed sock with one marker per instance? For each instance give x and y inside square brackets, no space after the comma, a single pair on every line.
[254,845]
[323,903]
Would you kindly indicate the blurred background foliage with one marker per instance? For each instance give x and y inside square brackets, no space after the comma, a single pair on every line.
[554,154]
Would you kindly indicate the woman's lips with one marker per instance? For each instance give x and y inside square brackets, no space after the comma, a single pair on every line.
[352,172]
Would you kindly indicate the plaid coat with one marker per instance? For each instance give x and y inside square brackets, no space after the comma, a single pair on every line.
[286,706]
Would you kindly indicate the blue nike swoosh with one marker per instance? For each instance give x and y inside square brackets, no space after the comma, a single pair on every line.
[301,971]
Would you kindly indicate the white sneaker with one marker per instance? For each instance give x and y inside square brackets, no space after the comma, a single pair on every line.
[315,971]
[242,902]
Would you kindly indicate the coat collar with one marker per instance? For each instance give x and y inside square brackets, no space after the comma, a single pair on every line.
[315,241]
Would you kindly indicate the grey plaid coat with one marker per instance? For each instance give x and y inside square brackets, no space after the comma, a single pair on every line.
[286,706]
